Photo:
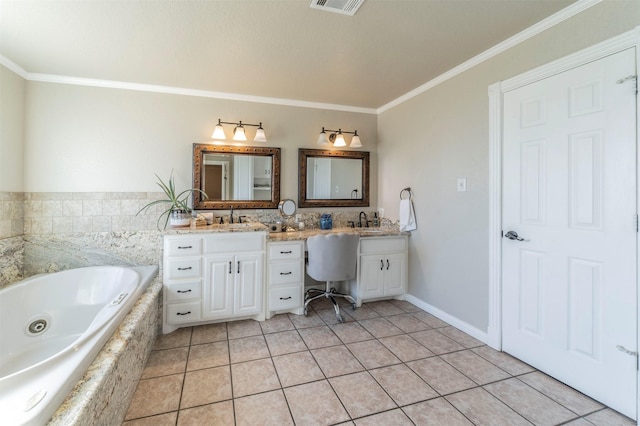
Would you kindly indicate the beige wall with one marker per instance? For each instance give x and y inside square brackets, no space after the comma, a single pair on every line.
[441,135]
[107,140]
[12,95]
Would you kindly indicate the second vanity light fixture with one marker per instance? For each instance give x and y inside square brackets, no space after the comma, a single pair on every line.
[337,139]
[238,131]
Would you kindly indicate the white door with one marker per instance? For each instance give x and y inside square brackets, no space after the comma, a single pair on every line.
[569,190]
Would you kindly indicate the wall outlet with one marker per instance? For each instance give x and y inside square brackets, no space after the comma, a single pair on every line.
[380,212]
[461,184]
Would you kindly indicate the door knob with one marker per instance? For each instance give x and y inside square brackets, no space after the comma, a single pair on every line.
[513,235]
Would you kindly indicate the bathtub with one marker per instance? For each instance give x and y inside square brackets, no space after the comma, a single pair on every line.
[52,327]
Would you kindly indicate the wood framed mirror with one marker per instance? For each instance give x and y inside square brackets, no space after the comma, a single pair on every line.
[333,178]
[242,177]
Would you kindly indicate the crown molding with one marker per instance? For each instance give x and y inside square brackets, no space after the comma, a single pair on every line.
[49,78]
[545,24]
[8,63]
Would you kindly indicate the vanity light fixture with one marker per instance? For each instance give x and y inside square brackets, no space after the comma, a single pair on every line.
[336,137]
[238,131]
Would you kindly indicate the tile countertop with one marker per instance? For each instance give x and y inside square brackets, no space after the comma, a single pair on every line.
[286,235]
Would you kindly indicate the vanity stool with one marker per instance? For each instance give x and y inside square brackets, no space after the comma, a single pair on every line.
[332,257]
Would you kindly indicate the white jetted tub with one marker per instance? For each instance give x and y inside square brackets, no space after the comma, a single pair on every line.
[52,327]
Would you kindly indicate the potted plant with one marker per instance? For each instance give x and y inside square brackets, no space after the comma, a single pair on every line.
[178,213]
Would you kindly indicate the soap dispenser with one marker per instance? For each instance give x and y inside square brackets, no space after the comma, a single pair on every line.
[376,222]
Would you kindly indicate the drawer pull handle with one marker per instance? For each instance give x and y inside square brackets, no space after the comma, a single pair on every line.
[381,264]
[230,270]
[238,266]
[185,269]
[387,264]
[286,252]
[285,298]
[183,313]
[184,291]
[184,247]
[285,273]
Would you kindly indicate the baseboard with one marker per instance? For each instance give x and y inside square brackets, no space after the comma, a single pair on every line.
[483,336]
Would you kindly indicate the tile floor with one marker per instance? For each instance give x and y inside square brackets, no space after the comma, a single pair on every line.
[389,363]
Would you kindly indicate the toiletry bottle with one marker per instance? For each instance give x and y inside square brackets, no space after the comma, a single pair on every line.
[376,222]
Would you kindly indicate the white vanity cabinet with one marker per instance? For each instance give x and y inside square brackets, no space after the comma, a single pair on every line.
[382,267]
[211,277]
[285,277]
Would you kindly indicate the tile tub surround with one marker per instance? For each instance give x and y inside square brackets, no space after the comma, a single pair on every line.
[53,252]
[11,214]
[11,242]
[102,396]
[390,363]
[11,260]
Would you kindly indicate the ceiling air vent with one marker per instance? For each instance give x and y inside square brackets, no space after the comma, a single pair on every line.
[345,7]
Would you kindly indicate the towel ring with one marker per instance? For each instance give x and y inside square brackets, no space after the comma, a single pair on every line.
[407,189]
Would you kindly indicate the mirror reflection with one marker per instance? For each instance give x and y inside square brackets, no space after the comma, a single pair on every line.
[337,178]
[333,178]
[236,177]
[242,177]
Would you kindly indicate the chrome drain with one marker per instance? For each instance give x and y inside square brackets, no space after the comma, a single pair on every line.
[38,326]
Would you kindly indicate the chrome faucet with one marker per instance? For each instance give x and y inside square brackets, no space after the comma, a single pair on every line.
[366,222]
[231,215]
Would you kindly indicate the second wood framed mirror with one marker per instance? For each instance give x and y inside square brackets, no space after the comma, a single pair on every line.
[333,178]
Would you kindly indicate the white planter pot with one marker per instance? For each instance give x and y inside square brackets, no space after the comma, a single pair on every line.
[179,218]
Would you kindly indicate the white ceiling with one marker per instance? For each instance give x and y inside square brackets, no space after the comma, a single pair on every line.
[268,48]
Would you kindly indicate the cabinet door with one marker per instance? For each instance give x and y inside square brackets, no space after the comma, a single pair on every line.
[248,284]
[371,276]
[218,291]
[394,274]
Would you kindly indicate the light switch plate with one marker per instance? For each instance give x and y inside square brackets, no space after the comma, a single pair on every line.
[461,184]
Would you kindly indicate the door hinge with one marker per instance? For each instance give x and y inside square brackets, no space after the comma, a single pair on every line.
[627,78]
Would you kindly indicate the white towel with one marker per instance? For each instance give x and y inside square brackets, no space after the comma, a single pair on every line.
[407,216]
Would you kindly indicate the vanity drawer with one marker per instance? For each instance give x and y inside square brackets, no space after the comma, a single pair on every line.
[182,291]
[179,313]
[285,251]
[285,272]
[183,268]
[382,245]
[188,246]
[284,298]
